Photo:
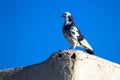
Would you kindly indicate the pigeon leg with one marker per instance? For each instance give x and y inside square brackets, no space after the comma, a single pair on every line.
[72,47]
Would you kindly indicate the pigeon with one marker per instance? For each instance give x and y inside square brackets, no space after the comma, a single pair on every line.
[73,34]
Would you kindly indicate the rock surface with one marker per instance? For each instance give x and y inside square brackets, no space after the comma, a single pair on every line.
[66,65]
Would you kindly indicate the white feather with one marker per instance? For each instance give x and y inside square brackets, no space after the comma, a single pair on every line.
[86,44]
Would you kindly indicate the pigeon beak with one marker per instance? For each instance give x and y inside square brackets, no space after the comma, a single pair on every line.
[63,15]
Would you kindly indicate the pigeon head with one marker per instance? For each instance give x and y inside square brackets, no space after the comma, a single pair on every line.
[66,14]
[68,17]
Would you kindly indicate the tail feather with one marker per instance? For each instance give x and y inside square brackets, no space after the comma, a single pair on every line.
[89,51]
[86,44]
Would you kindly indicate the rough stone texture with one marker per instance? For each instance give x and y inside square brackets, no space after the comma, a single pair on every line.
[66,65]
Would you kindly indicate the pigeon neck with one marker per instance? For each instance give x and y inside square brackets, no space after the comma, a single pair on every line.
[68,21]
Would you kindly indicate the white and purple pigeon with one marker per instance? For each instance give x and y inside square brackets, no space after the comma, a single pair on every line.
[73,35]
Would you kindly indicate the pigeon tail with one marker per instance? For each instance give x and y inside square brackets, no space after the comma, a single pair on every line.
[89,51]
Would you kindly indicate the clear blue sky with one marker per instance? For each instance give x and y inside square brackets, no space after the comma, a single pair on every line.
[30,30]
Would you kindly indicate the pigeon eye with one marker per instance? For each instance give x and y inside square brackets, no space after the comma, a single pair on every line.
[65,14]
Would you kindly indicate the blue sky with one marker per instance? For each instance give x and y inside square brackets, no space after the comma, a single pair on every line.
[30,30]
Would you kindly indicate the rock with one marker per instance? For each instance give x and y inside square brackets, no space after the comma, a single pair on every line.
[66,65]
